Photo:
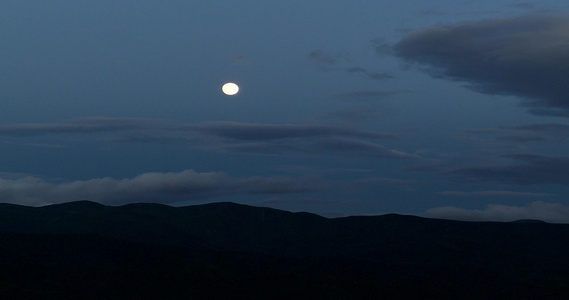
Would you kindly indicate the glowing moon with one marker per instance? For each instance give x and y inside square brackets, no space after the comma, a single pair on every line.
[230,88]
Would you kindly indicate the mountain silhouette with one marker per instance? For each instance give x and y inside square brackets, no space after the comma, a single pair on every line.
[232,251]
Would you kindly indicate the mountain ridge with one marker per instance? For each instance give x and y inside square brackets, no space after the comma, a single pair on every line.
[229,249]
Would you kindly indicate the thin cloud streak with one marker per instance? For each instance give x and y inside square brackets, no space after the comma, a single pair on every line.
[508,194]
[529,169]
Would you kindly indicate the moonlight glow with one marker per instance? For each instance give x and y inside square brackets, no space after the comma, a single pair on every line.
[230,88]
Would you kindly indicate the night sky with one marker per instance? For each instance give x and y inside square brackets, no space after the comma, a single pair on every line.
[446,109]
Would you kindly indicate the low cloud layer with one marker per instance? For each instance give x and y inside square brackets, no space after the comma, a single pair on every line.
[548,212]
[148,187]
[524,56]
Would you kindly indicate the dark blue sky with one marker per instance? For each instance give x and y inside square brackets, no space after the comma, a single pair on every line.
[453,109]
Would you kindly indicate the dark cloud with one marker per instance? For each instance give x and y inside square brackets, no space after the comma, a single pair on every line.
[528,133]
[321,60]
[149,187]
[527,169]
[365,94]
[381,46]
[247,131]
[352,115]
[232,130]
[525,56]
[239,60]
[374,181]
[525,5]
[319,146]
[479,194]
[522,139]
[369,74]
[224,136]
[548,212]
[359,148]
[548,128]
[326,62]
[84,125]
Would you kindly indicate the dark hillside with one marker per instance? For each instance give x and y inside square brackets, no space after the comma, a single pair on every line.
[226,250]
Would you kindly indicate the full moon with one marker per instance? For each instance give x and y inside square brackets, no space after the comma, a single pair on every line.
[230,88]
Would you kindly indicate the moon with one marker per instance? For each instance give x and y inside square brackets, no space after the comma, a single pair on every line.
[230,88]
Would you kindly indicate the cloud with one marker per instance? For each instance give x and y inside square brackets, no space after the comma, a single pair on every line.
[528,133]
[548,128]
[548,212]
[248,131]
[522,139]
[321,60]
[366,183]
[239,60]
[231,130]
[369,74]
[365,94]
[223,136]
[525,56]
[524,5]
[359,148]
[148,187]
[318,146]
[351,115]
[84,125]
[508,194]
[528,169]
[327,63]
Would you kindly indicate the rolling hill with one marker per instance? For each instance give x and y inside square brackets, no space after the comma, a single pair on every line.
[230,251]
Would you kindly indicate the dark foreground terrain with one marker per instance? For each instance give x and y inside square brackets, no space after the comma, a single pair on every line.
[84,250]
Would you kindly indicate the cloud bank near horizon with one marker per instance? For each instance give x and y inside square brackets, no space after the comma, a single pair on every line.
[165,188]
[538,210]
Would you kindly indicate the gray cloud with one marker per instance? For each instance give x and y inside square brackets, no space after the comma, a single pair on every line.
[327,62]
[359,148]
[549,128]
[525,56]
[84,125]
[525,5]
[318,146]
[365,94]
[351,115]
[369,74]
[508,194]
[232,130]
[522,139]
[374,181]
[528,169]
[321,60]
[247,131]
[224,136]
[528,133]
[148,187]
[548,212]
